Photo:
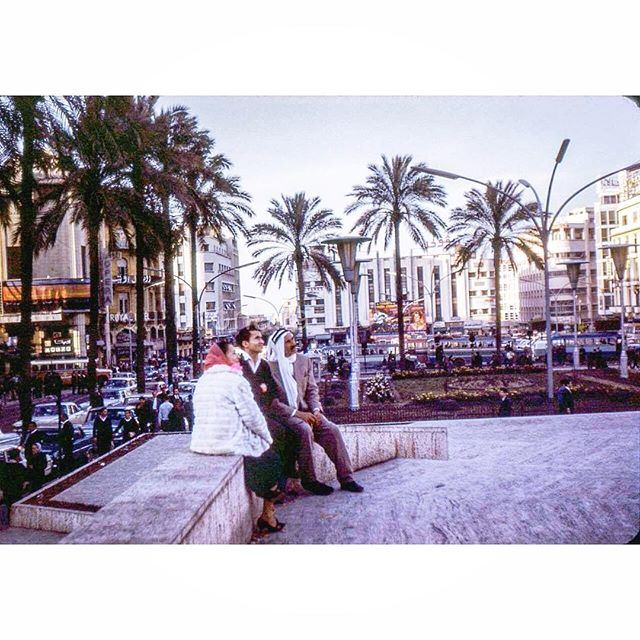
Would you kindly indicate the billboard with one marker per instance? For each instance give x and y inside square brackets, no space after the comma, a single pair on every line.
[383,317]
[53,291]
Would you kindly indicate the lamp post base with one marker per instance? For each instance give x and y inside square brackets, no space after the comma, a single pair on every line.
[354,391]
[624,363]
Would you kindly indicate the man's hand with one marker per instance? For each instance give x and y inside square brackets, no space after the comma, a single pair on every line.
[309,418]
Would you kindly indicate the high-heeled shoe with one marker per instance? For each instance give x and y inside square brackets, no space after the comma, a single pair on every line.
[263,526]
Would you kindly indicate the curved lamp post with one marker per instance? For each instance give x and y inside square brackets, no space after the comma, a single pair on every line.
[347,246]
[573,273]
[543,220]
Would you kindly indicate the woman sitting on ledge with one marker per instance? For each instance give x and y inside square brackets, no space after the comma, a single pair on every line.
[227,421]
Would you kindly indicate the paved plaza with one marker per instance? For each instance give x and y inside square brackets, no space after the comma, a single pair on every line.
[541,480]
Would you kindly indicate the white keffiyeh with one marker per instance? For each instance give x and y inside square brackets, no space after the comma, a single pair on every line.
[275,353]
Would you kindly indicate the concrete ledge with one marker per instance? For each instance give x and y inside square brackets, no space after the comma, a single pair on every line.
[29,516]
[198,499]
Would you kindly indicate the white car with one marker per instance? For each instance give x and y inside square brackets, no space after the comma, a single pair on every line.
[112,395]
[45,414]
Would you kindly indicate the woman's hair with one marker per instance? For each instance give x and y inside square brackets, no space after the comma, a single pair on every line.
[223,345]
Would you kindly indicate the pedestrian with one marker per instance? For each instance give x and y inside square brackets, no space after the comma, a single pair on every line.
[163,412]
[505,403]
[31,437]
[36,467]
[102,432]
[188,411]
[129,426]
[65,442]
[144,414]
[74,382]
[564,397]
[177,419]
[13,480]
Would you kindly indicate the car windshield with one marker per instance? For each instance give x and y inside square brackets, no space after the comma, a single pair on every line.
[111,393]
[45,410]
[118,384]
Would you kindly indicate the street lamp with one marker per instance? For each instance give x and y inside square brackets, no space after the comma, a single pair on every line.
[619,254]
[347,246]
[543,221]
[573,273]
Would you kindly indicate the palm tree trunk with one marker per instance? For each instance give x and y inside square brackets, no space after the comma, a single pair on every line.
[195,335]
[93,218]
[170,333]
[303,315]
[399,293]
[140,329]
[497,251]
[138,187]
[27,226]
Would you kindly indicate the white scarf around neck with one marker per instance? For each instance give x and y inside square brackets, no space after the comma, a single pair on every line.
[275,353]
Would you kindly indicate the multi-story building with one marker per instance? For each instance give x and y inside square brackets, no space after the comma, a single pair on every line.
[572,238]
[60,294]
[217,285]
[434,290]
[121,323]
[605,223]
[628,232]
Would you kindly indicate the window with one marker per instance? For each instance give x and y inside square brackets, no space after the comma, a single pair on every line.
[208,267]
[211,286]
[612,217]
[338,307]
[83,260]
[123,303]
[180,269]
[222,268]
[387,284]
[183,309]
[403,280]
[123,269]
[210,306]
[370,285]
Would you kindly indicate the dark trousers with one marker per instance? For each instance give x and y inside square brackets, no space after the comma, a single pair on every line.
[262,473]
[286,443]
[328,436]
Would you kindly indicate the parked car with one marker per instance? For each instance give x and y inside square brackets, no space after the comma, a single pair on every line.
[82,445]
[46,414]
[185,389]
[128,384]
[114,396]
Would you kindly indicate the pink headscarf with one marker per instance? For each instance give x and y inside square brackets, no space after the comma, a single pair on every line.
[217,356]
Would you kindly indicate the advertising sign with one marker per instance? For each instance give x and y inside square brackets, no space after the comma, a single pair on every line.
[383,317]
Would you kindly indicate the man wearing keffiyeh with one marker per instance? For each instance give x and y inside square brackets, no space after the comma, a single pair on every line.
[300,405]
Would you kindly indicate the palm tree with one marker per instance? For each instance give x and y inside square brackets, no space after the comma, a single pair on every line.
[23,153]
[292,240]
[137,138]
[181,150]
[396,195]
[213,203]
[492,222]
[88,156]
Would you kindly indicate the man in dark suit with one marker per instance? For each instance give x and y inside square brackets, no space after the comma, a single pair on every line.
[299,404]
[505,403]
[103,432]
[65,440]
[255,369]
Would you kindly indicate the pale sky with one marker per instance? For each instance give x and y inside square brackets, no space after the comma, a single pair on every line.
[323,145]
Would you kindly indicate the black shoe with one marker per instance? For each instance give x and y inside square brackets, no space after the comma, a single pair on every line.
[352,486]
[263,526]
[317,488]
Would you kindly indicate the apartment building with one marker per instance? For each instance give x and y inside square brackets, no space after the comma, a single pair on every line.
[216,286]
[628,232]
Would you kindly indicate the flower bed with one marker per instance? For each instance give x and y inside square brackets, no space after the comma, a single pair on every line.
[378,389]
[468,371]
